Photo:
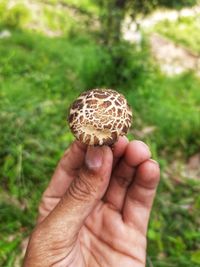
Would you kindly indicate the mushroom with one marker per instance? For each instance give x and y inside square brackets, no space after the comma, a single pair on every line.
[99,117]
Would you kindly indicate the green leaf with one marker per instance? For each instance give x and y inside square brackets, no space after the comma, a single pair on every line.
[196,256]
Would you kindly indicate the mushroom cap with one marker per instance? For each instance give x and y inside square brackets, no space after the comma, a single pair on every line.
[99,117]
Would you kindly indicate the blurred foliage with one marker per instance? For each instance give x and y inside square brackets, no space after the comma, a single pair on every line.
[176,4]
[179,31]
[112,14]
[173,238]
[15,16]
[41,75]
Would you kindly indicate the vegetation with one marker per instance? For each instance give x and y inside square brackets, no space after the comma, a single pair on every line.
[41,75]
[113,12]
[179,31]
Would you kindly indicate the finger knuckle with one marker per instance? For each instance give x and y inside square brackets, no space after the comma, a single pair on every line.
[81,188]
[123,181]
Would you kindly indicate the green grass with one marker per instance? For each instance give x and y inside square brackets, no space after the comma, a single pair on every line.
[84,5]
[173,232]
[39,77]
[171,104]
[184,31]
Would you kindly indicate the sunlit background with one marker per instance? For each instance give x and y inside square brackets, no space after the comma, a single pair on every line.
[51,51]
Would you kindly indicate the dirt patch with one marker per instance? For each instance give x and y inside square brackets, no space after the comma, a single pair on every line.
[173,58]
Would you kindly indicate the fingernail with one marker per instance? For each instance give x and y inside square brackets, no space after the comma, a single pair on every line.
[94,157]
[146,146]
[153,161]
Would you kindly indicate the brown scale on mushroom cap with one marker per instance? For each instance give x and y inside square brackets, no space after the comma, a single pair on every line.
[99,117]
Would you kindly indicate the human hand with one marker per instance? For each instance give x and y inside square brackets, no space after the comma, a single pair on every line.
[96,209]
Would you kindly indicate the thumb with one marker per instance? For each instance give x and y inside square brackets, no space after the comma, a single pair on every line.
[83,194]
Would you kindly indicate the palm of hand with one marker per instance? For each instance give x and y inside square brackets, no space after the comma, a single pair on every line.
[114,233]
[105,240]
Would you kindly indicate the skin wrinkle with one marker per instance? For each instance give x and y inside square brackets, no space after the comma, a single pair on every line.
[123,181]
[134,165]
[65,248]
[53,227]
[131,224]
[113,207]
[90,251]
[77,192]
[140,200]
[141,229]
[120,252]
[41,253]
[141,242]
[84,261]
[143,185]
[66,255]
[83,180]
[99,239]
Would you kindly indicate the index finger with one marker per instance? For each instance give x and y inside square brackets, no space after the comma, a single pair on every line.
[66,170]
